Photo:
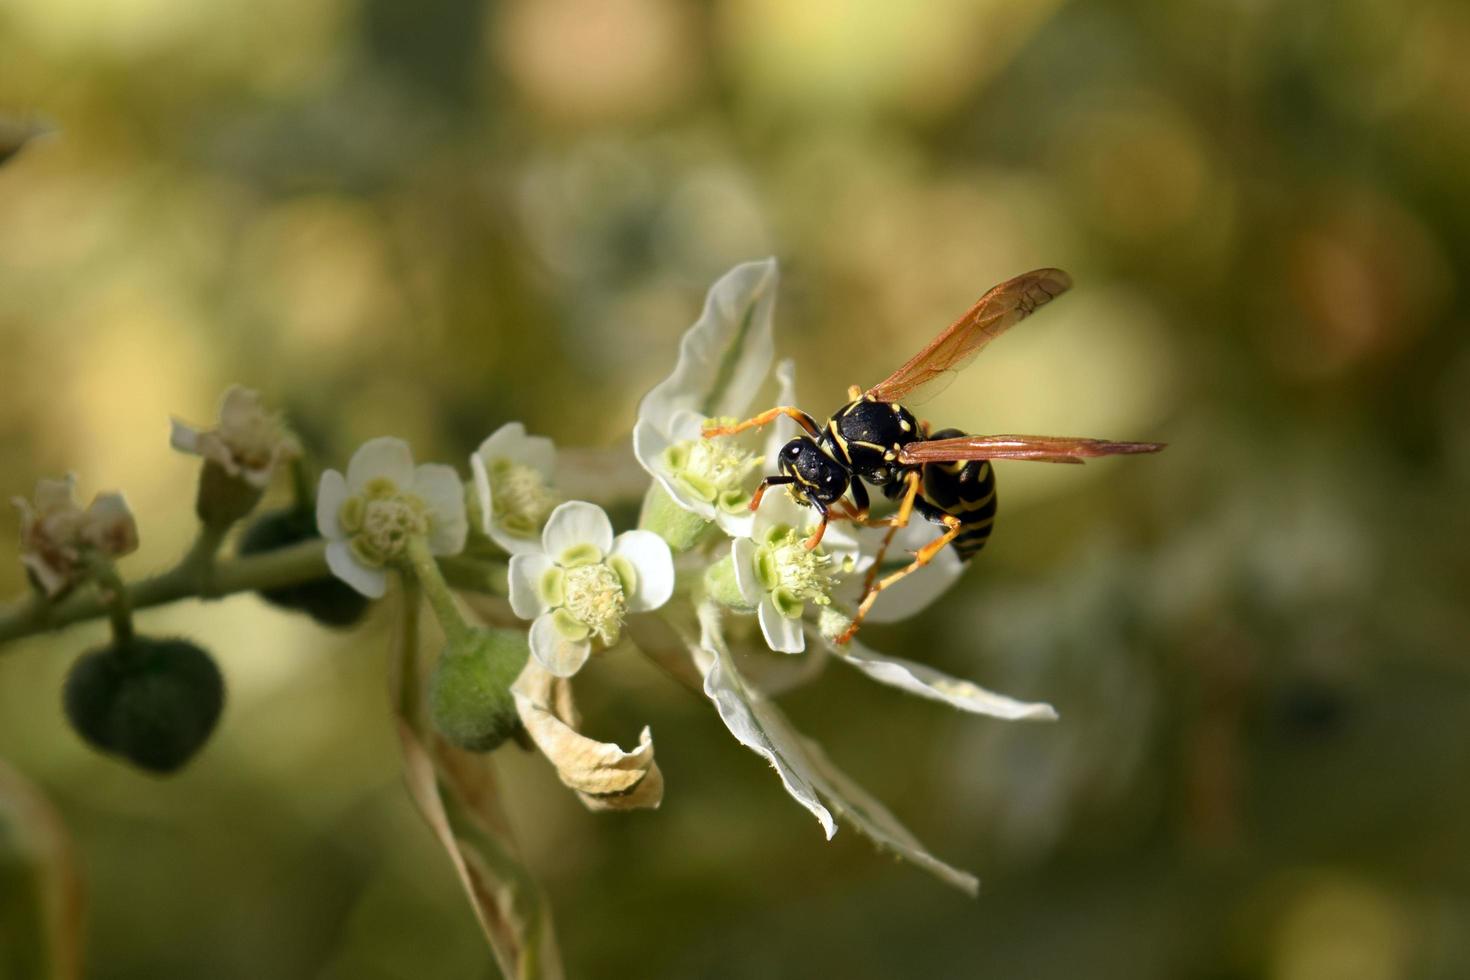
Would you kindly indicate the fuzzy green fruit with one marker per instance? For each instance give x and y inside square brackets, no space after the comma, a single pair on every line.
[469,693]
[153,702]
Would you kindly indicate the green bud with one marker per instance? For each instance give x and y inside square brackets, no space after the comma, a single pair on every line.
[153,702]
[223,499]
[682,529]
[469,693]
[329,600]
[721,586]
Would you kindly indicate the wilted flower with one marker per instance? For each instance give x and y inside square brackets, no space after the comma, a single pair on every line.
[369,516]
[513,474]
[582,583]
[248,443]
[56,534]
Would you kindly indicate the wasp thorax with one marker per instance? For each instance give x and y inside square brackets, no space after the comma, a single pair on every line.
[793,574]
[380,520]
[520,499]
[714,471]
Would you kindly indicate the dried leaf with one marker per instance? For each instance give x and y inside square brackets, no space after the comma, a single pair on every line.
[40,891]
[455,791]
[605,776]
[804,769]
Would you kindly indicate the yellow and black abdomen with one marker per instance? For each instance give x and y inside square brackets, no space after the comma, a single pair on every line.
[964,489]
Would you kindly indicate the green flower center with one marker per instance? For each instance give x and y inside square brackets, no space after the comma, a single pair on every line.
[520,499]
[792,574]
[380,520]
[714,471]
[594,596]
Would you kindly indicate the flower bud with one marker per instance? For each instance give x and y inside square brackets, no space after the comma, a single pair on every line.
[681,528]
[223,499]
[153,702]
[329,600]
[469,693]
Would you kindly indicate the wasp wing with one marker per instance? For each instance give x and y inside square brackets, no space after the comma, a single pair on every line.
[1006,305]
[1043,449]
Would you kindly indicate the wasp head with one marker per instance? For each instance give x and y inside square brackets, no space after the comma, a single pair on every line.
[819,478]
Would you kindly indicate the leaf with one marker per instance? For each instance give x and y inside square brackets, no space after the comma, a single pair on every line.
[40,891]
[725,356]
[809,776]
[935,685]
[604,776]
[456,793]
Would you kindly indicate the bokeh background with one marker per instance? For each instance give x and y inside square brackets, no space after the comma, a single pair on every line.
[425,219]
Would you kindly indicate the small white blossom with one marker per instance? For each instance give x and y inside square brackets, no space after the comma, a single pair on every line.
[724,360]
[56,534]
[582,582]
[780,576]
[513,473]
[369,516]
[248,443]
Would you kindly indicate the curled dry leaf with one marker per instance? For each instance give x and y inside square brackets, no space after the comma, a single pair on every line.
[41,929]
[456,793]
[605,776]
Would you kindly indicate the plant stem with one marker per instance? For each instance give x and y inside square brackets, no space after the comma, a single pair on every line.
[423,567]
[304,562]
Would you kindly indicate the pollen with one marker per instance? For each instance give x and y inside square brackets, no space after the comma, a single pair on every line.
[520,499]
[793,574]
[595,597]
[714,471]
[381,520]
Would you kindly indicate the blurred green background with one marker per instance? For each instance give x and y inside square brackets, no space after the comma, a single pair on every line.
[425,219]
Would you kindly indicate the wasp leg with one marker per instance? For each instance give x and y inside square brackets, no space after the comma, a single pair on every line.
[766,484]
[765,418]
[901,519]
[953,526]
[816,536]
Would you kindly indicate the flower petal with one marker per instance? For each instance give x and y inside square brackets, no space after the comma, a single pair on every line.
[577,522]
[330,494]
[654,563]
[526,573]
[110,526]
[371,582]
[778,509]
[754,721]
[742,556]
[725,355]
[927,682]
[438,486]
[484,493]
[605,776]
[183,437]
[555,652]
[784,429]
[384,457]
[782,635]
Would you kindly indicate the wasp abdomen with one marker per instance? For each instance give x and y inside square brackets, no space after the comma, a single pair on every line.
[964,489]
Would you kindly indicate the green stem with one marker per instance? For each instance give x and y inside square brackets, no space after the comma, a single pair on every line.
[115,595]
[421,563]
[304,562]
[199,562]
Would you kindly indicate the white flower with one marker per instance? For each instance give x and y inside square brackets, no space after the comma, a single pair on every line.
[582,583]
[513,473]
[55,533]
[369,516]
[248,443]
[915,592]
[724,359]
[779,576]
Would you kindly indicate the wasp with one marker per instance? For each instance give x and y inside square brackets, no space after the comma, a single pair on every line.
[945,476]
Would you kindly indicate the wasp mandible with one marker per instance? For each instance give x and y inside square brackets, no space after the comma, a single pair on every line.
[946,476]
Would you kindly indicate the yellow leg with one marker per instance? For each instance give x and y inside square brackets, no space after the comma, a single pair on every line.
[921,558]
[764,418]
[898,520]
[816,536]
